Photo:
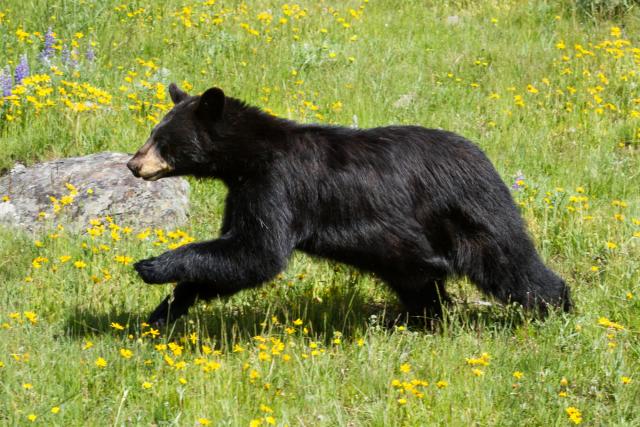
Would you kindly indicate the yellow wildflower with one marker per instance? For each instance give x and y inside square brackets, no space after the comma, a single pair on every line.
[31,317]
[574,415]
[603,321]
[117,326]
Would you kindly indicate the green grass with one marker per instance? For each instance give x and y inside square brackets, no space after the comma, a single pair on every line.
[575,140]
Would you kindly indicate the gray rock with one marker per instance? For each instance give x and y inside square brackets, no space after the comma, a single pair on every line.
[100,185]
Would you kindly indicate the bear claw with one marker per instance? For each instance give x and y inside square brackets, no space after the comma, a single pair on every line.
[150,271]
[158,323]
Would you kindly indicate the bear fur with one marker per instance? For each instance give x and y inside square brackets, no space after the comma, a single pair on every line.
[412,205]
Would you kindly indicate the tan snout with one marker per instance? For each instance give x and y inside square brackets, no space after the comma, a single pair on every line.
[148,164]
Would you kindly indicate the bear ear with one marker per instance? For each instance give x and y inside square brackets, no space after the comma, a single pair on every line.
[211,104]
[177,94]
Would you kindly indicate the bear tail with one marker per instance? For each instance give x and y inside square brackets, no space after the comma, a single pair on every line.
[542,289]
[523,279]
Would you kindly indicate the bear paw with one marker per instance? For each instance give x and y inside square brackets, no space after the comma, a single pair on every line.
[153,271]
[157,320]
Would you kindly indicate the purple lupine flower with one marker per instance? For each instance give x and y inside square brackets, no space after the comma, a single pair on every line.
[22,70]
[66,55]
[518,182]
[73,62]
[90,54]
[6,82]
[49,40]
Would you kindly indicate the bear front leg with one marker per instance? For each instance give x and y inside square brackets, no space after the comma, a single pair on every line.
[218,267]
[165,268]
[180,264]
[174,305]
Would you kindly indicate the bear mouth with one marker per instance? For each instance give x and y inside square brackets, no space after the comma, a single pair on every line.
[154,177]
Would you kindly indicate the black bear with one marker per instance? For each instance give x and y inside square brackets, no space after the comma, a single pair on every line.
[412,205]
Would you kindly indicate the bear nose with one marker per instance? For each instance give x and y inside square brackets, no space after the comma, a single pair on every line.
[134,167]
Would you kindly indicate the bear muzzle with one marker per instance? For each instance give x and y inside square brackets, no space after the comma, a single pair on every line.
[148,164]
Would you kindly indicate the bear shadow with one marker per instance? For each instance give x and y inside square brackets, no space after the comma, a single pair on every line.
[226,320]
[350,314]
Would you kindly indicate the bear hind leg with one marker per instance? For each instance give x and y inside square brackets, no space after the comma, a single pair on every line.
[421,297]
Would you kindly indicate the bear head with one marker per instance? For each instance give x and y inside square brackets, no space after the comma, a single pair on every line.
[184,141]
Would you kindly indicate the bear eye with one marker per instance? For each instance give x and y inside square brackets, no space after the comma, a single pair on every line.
[164,149]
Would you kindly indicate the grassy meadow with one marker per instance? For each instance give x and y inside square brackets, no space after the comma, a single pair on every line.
[549,91]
